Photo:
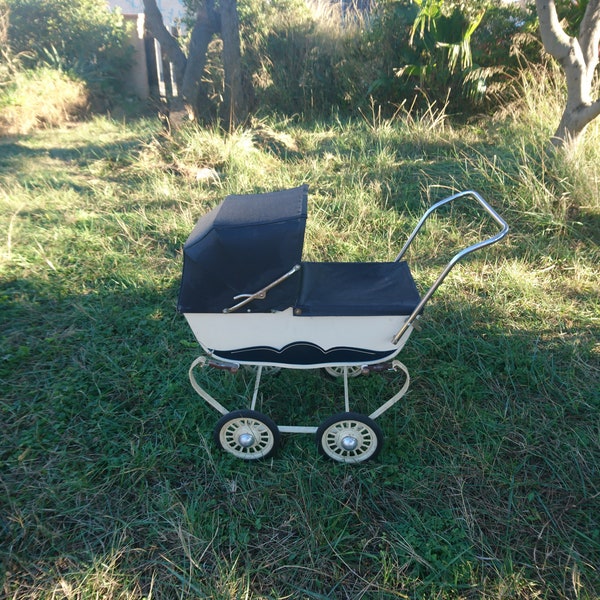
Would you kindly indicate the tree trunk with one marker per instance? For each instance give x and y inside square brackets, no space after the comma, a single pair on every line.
[579,59]
[235,101]
[169,44]
[3,24]
[188,71]
[207,24]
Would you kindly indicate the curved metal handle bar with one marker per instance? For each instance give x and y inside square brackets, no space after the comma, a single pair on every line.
[457,257]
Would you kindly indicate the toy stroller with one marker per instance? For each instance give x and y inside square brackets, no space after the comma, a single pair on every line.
[251,300]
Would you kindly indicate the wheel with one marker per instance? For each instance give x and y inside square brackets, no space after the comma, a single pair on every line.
[339,371]
[247,434]
[268,370]
[349,438]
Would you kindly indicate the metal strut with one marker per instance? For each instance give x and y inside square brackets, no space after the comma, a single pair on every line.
[204,361]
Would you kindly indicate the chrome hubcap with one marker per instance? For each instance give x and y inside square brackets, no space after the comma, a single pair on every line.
[349,439]
[246,440]
[349,442]
[246,436]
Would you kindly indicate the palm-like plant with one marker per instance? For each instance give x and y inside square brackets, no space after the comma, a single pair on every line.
[441,33]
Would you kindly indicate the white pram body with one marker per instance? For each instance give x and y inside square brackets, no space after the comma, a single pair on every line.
[280,339]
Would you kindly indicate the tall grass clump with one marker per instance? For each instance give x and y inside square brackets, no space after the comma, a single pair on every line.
[42,97]
[563,186]
[83,38]
[538,103]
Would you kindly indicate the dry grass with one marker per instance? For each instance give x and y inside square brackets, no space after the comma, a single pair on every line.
[40,98]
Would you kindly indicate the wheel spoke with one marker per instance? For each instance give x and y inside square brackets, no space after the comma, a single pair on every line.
[335,372]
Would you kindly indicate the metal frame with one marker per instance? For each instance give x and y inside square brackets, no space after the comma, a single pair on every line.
[204,361]
[262,293]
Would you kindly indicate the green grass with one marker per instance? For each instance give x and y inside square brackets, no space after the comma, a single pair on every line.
[111,487]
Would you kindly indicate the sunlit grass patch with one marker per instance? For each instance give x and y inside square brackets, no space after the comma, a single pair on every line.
[40,98]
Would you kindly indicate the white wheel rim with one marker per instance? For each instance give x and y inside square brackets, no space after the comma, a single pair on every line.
[339,371]
[247,438]
[349,440]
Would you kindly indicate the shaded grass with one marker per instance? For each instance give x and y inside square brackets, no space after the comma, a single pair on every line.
[488,482]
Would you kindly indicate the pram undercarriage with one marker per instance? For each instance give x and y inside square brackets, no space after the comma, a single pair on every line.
[346,437]
[252,302]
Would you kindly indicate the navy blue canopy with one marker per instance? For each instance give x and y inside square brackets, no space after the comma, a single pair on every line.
[242,246]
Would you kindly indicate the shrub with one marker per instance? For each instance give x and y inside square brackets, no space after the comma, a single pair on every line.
[312,58]
[445,52]
[39,98]
[504,44]
[80,37]
[385,48]
[303,56]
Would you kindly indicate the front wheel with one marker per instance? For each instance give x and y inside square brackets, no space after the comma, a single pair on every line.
[247,434]
[349,438]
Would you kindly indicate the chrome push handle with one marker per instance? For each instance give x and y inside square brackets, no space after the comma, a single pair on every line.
[457,257]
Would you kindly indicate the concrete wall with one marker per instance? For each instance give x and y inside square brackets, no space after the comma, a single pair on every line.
[172,10]
[137,82]
[147,75]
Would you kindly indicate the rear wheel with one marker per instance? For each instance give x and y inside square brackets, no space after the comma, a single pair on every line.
[247,434]
[349,438]
[336,372]
[268,370]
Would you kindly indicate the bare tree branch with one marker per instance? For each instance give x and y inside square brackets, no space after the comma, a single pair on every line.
[556,41]
[589,35]
[592,111]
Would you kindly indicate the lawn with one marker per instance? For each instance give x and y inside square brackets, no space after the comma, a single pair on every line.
[488,485]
